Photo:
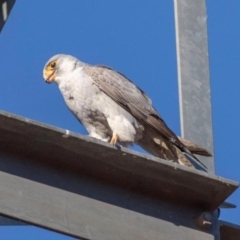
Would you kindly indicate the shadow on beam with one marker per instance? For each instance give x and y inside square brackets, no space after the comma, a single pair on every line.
[6,221]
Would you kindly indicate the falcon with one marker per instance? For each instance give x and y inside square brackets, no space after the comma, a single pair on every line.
[113,109]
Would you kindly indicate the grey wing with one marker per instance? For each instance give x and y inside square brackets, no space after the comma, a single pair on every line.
[118,87]
[133,99]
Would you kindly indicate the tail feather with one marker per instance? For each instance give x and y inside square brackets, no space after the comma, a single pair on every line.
[194,148]
[162,148]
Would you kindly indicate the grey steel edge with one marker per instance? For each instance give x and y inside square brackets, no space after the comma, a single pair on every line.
[40,136]
[193,74]
[85,188]
[88,209]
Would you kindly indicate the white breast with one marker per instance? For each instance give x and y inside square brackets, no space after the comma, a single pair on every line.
[95,109]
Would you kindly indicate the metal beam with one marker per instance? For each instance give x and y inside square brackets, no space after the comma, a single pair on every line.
[85,188]
[5,9]
[193,74]
[229,231]
[194,90]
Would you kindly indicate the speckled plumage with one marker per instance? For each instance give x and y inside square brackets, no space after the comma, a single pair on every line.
[107,104]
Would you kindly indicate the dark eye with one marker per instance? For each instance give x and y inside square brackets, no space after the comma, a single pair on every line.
[53,64]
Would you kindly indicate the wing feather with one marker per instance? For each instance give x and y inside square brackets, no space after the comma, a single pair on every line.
[133,99]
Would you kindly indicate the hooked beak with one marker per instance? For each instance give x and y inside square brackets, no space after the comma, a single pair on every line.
[49,76]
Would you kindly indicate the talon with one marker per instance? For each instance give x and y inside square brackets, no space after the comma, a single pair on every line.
[114,139]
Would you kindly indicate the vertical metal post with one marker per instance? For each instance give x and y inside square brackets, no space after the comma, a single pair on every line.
[193,74]
[5,9]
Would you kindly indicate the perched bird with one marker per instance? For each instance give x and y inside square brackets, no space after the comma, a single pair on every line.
[115,110]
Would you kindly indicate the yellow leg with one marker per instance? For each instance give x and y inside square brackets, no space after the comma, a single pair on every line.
[114,139]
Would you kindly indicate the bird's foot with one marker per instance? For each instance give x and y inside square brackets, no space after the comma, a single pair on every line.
[114,139]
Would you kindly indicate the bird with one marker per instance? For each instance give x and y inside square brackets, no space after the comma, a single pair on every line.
[114,110]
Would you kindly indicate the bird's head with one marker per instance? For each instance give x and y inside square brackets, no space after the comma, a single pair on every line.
[59,65]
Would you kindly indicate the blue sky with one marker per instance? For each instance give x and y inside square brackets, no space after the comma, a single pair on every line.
[135,37]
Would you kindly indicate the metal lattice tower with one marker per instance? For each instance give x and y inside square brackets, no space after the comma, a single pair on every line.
[84,188]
